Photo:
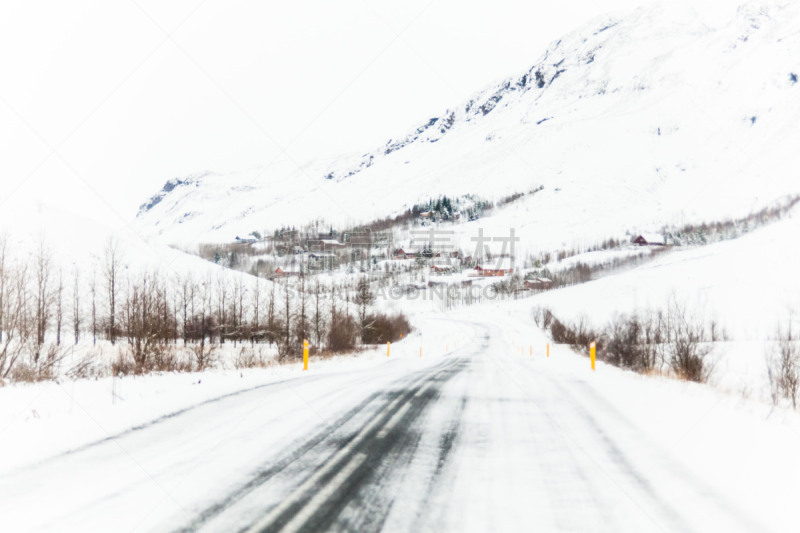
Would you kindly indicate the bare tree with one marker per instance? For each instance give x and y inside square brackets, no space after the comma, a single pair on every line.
[783,367]
[287,331]
[17,323]
[176,305]
[206,312]
[234,315]
[43,295]
[202,327]
[364,298]
[146,324]
[4,275]
[686,338]
[271,336]
[187,303]
[237,306]
[318,318]
[242,290]
[59,297]
[334,312]
[203,354]
[167,330]
[113,260]
[342,330]
[301,324]
[255,327]
[76,305]
[222,297]
[93,291]
[652,352]
[168,305]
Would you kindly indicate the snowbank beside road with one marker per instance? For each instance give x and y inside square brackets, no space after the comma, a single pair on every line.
[43,419]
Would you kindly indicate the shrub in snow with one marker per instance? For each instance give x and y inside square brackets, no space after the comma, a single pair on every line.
[380,328]
[342,333]
[656,340]
[783,368]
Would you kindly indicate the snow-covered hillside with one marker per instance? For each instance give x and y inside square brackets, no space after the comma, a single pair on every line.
[628,123]
[749,285]
[78,244]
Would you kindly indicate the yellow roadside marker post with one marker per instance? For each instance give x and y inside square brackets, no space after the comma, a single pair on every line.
[305,354]
[531,350]
[420,351]
[548,349]
[592,352]
[388,345]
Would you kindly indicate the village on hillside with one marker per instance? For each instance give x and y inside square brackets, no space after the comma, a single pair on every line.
[428,259]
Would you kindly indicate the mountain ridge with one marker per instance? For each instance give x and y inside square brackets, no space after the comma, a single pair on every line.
[655,105]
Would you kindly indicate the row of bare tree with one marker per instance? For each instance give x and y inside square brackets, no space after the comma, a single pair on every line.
[204,314]
[42,310]
[41,305]
[672,339]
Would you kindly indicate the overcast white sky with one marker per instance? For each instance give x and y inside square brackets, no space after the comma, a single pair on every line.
[102,101]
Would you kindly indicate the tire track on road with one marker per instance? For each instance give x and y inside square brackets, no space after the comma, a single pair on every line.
[380,442]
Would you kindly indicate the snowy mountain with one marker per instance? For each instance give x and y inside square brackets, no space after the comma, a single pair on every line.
[650,119]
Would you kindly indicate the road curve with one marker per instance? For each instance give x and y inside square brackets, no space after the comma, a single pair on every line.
[483,438]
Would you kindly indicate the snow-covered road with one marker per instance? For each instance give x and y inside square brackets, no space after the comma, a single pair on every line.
[486,437]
